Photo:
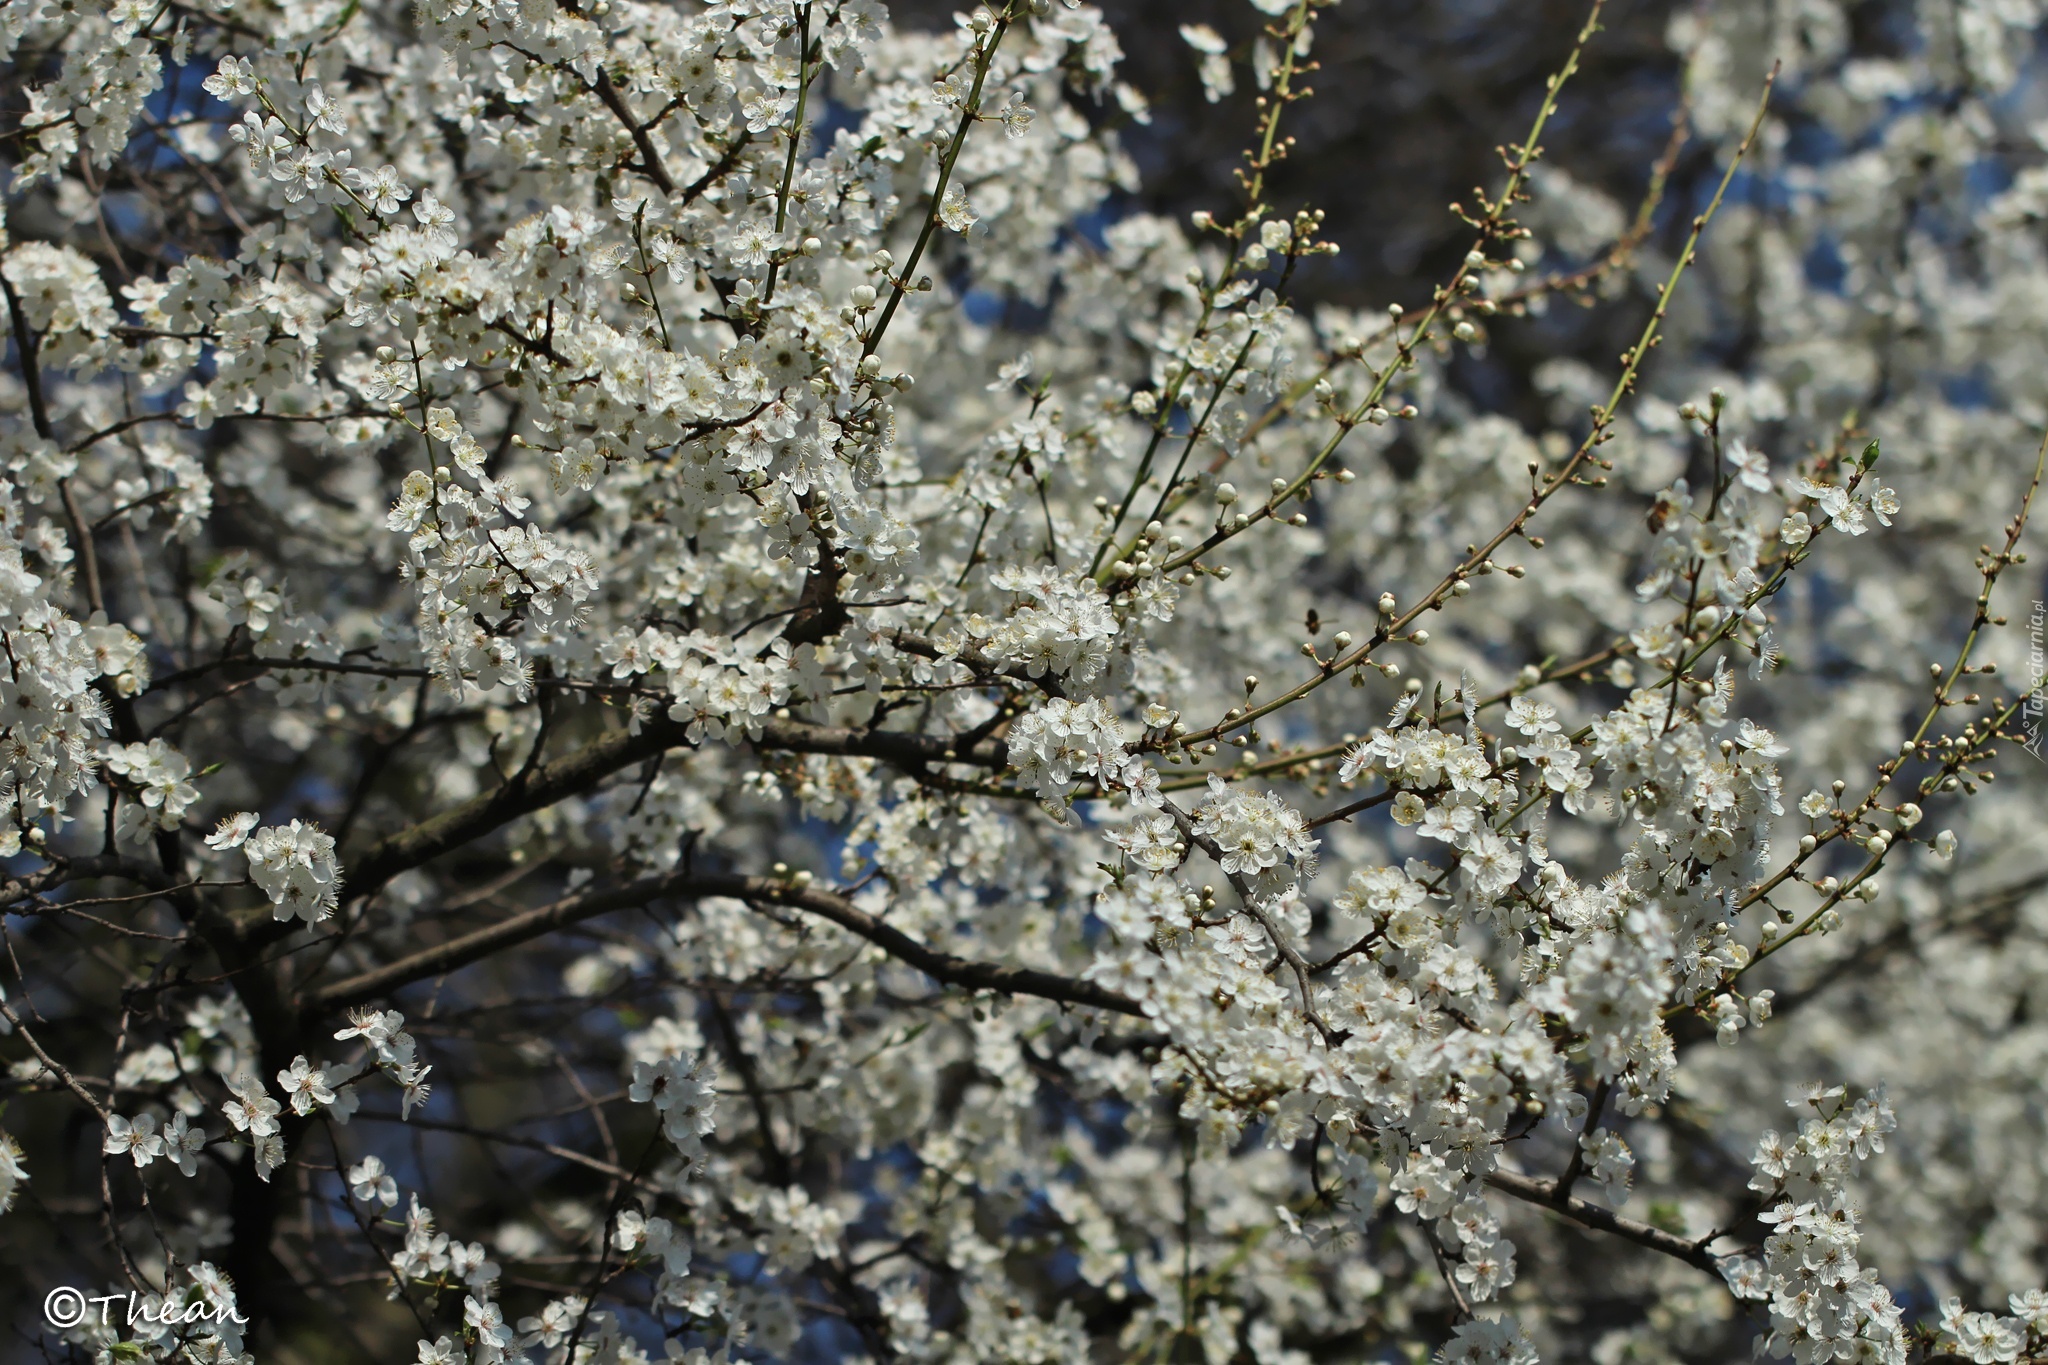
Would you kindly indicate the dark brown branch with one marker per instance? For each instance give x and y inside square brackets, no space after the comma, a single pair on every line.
[31,370]
[1544,1193]
[910,642]
[82,869]
[553,1149]
[1576,1167]
[718,170]
[781,1170]
[649,158]
[144,419]
[378,670]
[940,966]
[89,556]
[581,771]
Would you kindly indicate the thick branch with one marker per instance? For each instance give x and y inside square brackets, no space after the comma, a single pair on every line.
[65,870]
[548,783]
[940,966]
[650,159]
[25,353]
[553,1149]
[1544,1192]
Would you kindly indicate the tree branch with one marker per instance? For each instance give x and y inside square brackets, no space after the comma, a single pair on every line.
[553,1149]
[650,159]
[1544,1193]
[25,353]
[580,771]
[940,966]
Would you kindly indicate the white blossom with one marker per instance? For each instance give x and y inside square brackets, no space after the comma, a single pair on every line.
[295,866]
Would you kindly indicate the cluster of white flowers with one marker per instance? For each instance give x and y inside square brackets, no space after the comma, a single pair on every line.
[480,555]
[431,1255]
[1992,1339]
[159,774]
[1822,1302]
[1259,834]
[1063,627]
[252,1111]
[658,1238]
[1056,744]
[714,688]
[682,1095]
[392,1050]
[179,1143]
[293,864]
[48,707]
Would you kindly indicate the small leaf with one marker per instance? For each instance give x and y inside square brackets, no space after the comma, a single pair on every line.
[1869,455]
